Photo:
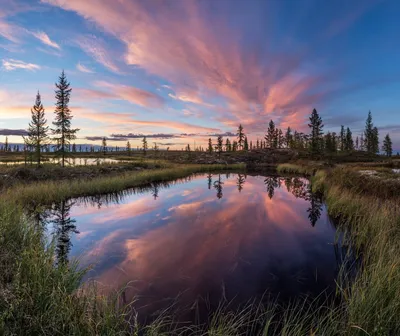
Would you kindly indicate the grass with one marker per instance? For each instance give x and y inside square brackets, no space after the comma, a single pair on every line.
[38,297]
[47,192]
[297,168]
[372,222]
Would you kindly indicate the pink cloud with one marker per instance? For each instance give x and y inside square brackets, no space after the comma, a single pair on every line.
[204,59]
[45,39]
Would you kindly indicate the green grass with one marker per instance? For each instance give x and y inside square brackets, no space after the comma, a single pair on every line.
[39,298]
[302,169]
[46,192]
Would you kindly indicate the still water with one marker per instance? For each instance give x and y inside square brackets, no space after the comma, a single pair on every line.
[206,237]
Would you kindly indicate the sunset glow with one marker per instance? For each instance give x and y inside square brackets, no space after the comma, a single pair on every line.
[187,70]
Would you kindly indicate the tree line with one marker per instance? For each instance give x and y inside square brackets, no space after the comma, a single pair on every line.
[316,142]
[40,135]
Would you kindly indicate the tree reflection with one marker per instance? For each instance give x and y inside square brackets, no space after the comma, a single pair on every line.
[218,187]
[64,226]
[155,191]
[240,181]
[209,180]
[271,182]
[315,209]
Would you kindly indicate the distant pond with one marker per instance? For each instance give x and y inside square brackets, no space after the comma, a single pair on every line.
[203,238]
[69,161]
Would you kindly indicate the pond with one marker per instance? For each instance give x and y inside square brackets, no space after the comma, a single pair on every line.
[203,238]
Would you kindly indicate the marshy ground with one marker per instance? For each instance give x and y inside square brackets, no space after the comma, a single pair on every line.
[39,296]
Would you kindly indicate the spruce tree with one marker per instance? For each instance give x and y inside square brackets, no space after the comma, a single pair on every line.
[210,146]
[145,146]
[240,135]
[316,126]
[246,144]
[228,146]
[38,129]
[369,137]
[387,146]
[6,145]
[349,144]
[220,143]
[270,136]
[63,133]
[288,138]
[342,138]
[375,140]
[104,145]
[128,148]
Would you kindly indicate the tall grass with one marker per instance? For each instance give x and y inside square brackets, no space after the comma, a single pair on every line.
[290,168]
[373,226]
[51,191]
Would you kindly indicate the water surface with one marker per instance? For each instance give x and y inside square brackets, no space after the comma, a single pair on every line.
[204,238]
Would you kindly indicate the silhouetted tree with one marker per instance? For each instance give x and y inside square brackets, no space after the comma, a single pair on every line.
[357,146]
[270,136]
[316,143]
[104,145]
[371,141]
[6,145]
[228,146]
[375,140]
[288,138]
[342,138]
[258,144]
[210,146]
[246,144]
[240,182]
[241,137]
[144,144]
[63,133]
[38,129]
[234,146]
[155,190]
[349,144]
[387,146]
[64,226]
[128,148]
[220,144]
[330,143]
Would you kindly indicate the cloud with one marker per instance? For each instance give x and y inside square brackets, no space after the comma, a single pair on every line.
[132,94]
[139,136]
[45,39]
[95,48]
[205,58]
[12,64]
[83,68]
[9,31]
[16,132]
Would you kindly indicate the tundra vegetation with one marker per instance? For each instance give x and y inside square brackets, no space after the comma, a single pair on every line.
[360,188]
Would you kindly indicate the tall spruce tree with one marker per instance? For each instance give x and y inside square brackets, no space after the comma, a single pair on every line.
[270,136]
[349,143]
[316,126]
[246,144]
[210,146]
[342,138]
[38,129]
[63,133]
[288,138]
[144,145]
[375,140]
[369,136]
[387,146]
[104,145]
[220,144]
[228,146]
[240,136]
[128,148]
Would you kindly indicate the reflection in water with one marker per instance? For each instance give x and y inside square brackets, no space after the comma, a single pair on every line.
[240,181]
[64,226]
[255,239]
[218,187]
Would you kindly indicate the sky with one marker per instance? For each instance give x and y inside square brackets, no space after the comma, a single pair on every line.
[180,71]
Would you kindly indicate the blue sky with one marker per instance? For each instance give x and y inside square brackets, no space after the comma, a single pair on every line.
[202,67]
